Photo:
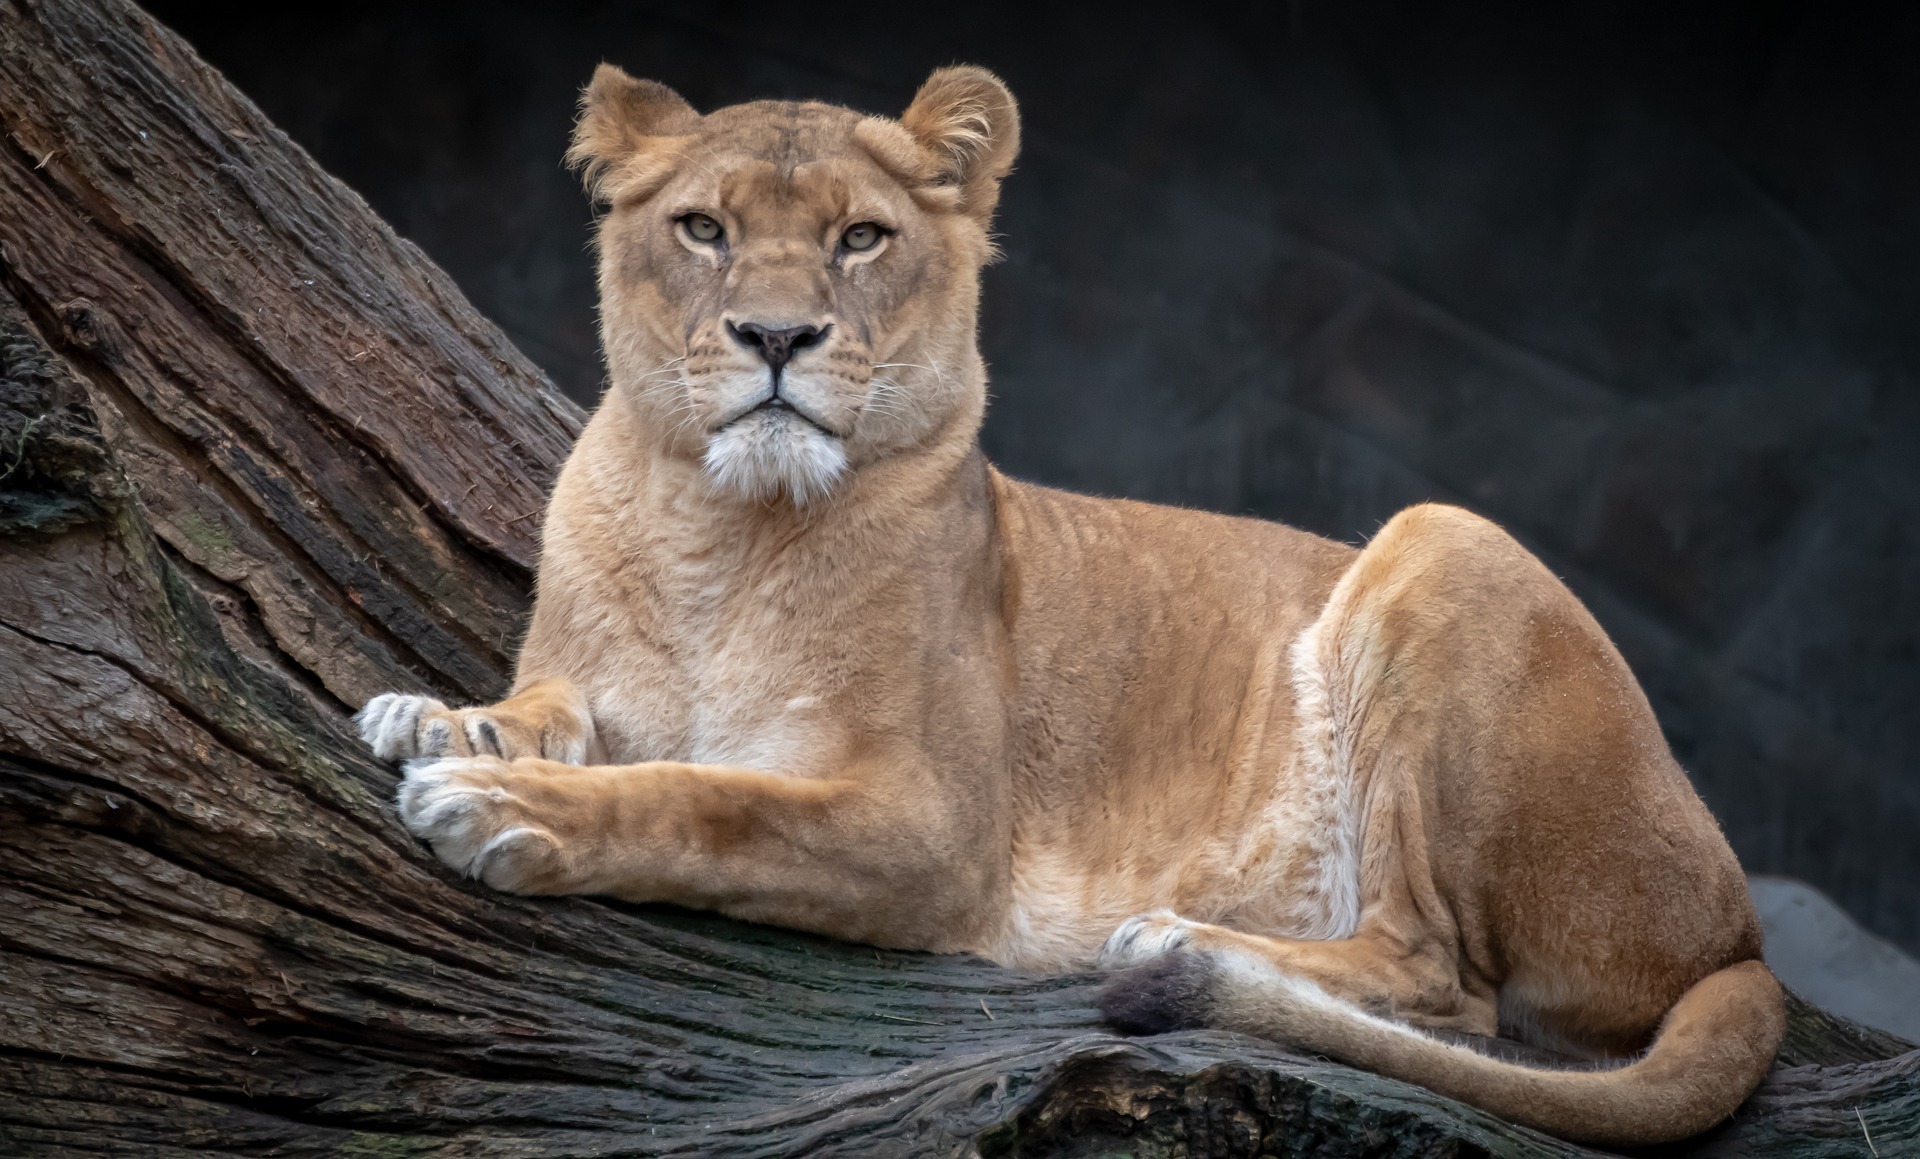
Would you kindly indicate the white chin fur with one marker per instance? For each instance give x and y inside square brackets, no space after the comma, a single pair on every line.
[763,456]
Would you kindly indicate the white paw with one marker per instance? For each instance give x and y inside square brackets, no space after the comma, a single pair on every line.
[400,727]
[462,808]
[1145,936]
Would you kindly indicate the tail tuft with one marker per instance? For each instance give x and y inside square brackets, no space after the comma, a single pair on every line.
[1175,991]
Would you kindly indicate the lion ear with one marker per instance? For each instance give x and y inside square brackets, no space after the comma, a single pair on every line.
[623,120]
[965,117]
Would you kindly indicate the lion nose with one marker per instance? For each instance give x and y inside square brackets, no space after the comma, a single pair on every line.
[777,346]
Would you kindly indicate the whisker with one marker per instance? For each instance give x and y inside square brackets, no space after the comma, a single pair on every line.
[886,398]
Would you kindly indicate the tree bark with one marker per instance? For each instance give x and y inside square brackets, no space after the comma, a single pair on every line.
[258,461]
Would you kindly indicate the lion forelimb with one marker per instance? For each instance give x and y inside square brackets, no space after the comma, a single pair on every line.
[846,856]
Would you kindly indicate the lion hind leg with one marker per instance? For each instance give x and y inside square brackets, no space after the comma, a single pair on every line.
[1412,982]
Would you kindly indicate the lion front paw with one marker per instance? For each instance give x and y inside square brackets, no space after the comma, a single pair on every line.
[402,727]
[399,727]
[464,809]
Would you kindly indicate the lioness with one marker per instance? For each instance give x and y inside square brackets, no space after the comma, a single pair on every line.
[802,656]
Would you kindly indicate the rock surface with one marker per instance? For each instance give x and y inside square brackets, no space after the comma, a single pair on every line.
[1814,947]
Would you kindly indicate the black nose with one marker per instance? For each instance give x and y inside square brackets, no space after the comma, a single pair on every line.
[777,346]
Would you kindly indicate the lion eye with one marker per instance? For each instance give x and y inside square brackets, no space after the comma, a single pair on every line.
[863,236]
[702,228]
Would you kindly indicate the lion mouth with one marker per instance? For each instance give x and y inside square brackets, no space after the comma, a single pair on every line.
[768,449]
[777,404]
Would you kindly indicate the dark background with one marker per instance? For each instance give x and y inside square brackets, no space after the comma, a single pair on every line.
[1638,281]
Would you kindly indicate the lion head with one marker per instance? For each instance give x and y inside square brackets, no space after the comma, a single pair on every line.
[789,290]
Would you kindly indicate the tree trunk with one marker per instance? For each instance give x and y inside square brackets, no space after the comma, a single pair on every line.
[258,461]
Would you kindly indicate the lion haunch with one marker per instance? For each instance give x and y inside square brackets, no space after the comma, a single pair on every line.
[801,655]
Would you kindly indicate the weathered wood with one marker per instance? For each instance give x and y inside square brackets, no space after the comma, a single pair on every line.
[258,459]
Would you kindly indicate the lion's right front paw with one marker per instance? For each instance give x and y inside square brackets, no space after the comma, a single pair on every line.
[465,808]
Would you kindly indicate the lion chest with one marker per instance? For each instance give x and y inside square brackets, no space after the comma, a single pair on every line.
[714,689]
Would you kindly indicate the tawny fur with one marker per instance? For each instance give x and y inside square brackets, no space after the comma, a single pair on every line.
[810,660]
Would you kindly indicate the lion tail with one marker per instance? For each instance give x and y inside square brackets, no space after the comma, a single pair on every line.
[1712,1048]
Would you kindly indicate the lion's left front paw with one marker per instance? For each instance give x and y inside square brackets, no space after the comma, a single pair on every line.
[464,808]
